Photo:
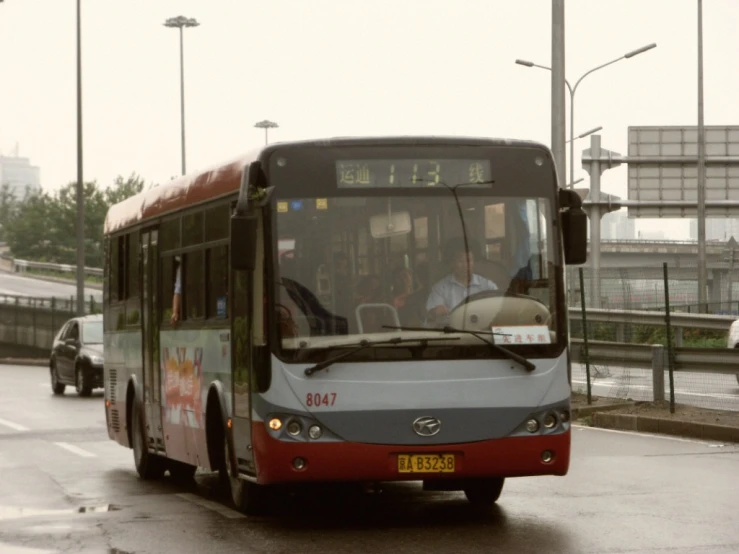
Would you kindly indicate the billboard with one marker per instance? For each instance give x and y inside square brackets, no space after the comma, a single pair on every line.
[668,168]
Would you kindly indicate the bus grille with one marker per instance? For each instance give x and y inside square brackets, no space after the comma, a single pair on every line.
[113,380]
[114,421]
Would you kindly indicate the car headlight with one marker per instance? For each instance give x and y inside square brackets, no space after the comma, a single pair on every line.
[96,360]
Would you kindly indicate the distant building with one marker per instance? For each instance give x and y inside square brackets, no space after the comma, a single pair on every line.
[652,235]
[617,226]
[717,228]
[20,176]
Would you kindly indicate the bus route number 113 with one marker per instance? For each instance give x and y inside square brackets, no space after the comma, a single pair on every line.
[317,399]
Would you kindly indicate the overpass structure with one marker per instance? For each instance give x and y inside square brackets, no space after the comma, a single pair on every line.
[634,261]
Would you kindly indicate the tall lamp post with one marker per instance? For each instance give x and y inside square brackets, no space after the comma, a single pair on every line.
[572,90]
[180,22]
[80,185]
[266,124]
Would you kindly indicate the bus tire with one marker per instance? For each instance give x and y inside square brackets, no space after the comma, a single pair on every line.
[249,498]
[484,492]
[180,471]
[149,466]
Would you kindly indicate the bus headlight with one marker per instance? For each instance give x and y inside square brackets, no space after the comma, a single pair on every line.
[294,428]
[532,425]
[550,420]
[315,432]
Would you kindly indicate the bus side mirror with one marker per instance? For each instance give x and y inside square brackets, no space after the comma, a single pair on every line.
[575,235]
[244,242]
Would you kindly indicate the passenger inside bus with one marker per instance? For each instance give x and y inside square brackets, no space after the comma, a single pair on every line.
[177,296]
[462,282]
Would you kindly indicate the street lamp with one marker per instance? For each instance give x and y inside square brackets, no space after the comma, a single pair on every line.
[180,22]
[585,134]
[572,90]
[266,124]
[80,192]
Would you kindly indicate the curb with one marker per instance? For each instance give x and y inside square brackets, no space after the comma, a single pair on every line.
[646,424]
[585,411]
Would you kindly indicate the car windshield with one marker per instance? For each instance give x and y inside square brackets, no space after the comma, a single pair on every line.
[92,332]
[349,268]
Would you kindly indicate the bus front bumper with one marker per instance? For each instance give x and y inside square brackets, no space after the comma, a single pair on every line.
[292,462]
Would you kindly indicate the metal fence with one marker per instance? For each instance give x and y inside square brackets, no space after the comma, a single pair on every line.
[678,353]
[34,322]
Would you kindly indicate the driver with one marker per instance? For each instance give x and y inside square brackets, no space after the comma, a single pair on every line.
[450,291]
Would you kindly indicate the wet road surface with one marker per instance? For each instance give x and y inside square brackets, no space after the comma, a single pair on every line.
[16,285]
[64,487]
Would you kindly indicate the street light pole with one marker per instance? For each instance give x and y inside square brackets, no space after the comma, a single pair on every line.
[573,89]
[266,124]
[559,133]
[181,22]
[80,185]
[702,272]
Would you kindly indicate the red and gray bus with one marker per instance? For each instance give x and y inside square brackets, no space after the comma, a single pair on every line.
[312,346]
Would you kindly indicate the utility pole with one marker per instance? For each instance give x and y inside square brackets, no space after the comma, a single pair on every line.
[558,90]
[80,182]
[702,272]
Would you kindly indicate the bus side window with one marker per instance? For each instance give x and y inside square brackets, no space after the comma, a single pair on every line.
[217,282]
[193,289]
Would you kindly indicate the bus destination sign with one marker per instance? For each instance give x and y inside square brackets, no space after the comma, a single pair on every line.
[411,173]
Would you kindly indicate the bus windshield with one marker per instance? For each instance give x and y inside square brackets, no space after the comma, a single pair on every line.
[354,267]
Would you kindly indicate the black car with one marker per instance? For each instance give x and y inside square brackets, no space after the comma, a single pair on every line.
[77,355]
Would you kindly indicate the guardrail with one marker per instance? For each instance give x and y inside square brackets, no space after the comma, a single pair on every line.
[654,357]
[677,319]
[20,266]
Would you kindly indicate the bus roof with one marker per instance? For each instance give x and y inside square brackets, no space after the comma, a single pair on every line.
[223,179]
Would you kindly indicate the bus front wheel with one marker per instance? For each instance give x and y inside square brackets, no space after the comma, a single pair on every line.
[484,492]
[249,498]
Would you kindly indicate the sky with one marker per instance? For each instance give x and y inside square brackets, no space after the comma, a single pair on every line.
[323,68]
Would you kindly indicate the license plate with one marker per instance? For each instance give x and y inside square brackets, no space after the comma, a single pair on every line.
[426,463]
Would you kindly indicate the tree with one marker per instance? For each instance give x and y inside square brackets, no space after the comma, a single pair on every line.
[7,206]
[44,227]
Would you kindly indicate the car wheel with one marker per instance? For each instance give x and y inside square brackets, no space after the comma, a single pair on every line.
[249,498]
[57,387]
[80,383]
[484,492]
[148,465]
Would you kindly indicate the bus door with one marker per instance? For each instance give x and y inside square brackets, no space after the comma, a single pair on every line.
[150,337]
[248,350]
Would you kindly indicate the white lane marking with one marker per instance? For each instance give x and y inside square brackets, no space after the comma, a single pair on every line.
[75,450]
[14,426]
[214,506]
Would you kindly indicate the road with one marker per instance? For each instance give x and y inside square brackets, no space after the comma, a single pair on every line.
[16,285]
[66,488]
[705,390]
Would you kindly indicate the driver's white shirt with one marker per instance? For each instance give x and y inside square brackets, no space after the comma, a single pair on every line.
[449,292]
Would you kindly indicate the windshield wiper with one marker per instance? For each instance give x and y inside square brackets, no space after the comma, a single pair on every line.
[480,335]
[361,345]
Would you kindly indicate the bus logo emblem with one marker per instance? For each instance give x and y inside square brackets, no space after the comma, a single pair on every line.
[426,426]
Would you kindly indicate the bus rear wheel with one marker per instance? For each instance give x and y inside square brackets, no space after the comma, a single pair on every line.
[148,465]
[249,498]
[484,492]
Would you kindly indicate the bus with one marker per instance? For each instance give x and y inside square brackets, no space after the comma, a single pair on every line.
[355,310]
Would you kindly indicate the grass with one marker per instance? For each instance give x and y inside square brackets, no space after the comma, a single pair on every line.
[90,279]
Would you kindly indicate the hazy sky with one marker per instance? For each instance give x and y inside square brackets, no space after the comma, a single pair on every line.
[344,67]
